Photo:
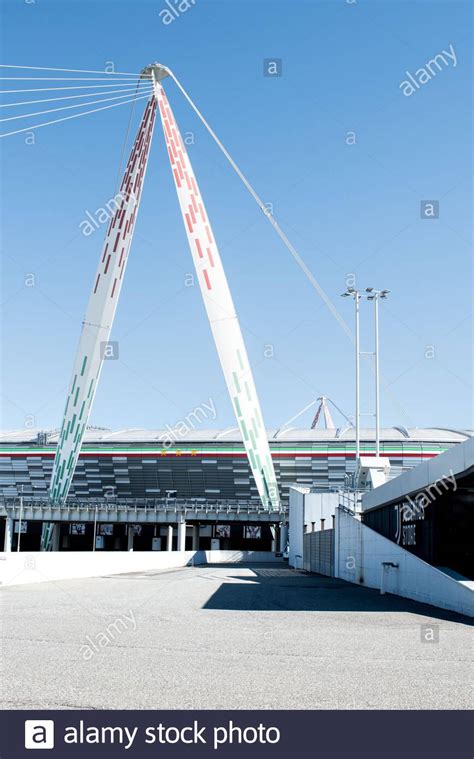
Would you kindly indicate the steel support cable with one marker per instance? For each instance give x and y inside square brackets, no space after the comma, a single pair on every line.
[349,421]
[65,79]
[135,89]
[75,71]
[65,108]
[74,116]
[76,87]
[290,247]
[127,132]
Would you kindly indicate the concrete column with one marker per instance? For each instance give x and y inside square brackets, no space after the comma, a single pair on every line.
[130,537]
[195,537]
[181,536]
[283,537]
[55,537]
[7,546]
[169,538]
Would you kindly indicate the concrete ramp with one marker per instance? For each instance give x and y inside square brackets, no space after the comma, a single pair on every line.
[365,557]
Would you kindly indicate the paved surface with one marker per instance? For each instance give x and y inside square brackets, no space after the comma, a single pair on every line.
[228,637]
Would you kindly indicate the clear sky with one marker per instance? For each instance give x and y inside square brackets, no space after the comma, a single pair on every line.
[349,209]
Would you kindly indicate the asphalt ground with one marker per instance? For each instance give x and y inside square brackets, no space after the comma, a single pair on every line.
[228,637]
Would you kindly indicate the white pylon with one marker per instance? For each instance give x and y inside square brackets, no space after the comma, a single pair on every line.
[328,421]
[220,309]
[215,291]
[100,311]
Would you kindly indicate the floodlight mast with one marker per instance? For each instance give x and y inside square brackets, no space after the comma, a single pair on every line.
[373,295]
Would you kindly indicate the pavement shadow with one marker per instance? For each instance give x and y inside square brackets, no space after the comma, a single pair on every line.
[281,589]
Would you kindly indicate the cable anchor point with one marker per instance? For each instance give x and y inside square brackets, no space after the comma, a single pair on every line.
[155,71]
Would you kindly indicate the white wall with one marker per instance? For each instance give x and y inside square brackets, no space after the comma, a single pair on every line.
[296,525]
[319,506]
[360,551]
[24,568]
[456,460]
[307,507]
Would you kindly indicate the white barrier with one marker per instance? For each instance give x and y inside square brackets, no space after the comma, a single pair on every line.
[24,568]
[365,557]
[238,557]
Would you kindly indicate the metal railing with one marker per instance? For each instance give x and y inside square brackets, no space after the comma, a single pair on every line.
[350,501]
[140,505]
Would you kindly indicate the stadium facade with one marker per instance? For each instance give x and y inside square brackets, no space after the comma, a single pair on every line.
[210,464]
[204,475]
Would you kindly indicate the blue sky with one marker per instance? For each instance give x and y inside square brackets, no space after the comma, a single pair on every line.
[348,209]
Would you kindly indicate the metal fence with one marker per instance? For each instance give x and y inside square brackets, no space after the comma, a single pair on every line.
[318,552]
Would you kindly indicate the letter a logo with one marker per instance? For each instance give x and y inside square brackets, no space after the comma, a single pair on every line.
[39,733]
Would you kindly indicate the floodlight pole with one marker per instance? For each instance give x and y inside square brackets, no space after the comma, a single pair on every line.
[351,292]
[371,295]
[375,295]
[357,377]
[377,377]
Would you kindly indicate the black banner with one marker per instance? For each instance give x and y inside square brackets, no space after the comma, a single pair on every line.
[321,734]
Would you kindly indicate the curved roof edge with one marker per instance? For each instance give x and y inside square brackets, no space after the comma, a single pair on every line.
[232,435]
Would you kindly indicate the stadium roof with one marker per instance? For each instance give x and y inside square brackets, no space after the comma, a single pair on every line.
[232,435]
